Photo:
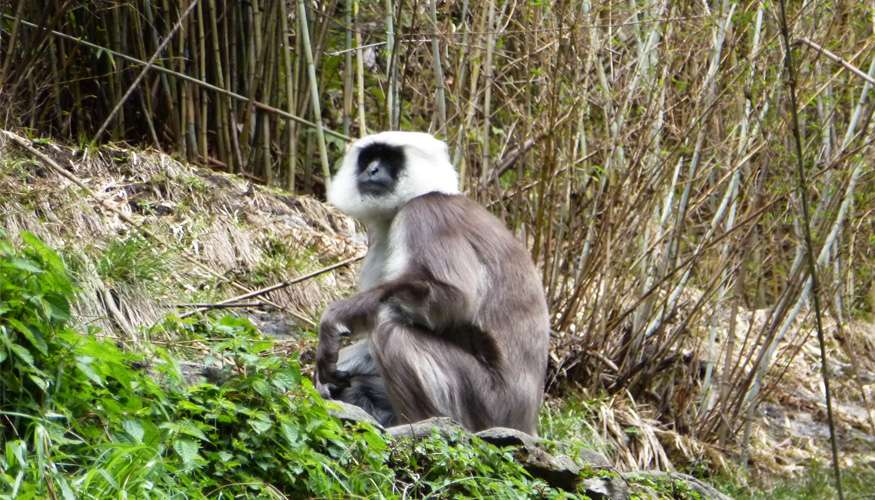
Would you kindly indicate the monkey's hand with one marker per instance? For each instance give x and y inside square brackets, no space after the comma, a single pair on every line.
[330,380]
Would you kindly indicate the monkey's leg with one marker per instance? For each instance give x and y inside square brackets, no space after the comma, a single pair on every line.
[427,376]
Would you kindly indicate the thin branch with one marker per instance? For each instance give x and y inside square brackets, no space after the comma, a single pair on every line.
[438,72]
[809,246]
[221,306]
[853,69]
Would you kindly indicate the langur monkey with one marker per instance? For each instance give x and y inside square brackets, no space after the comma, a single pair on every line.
[450,314]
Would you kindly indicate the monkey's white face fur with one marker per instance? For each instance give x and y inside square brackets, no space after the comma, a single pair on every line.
[426,169]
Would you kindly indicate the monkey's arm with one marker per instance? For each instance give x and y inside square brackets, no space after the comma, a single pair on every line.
[415,299]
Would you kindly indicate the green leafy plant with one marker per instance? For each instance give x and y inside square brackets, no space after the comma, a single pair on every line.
[79,417]
[132,260]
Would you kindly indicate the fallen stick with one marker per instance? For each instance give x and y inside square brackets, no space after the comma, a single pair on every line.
[277,286]
[220,306]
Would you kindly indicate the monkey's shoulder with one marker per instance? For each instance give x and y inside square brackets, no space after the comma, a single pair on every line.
[433,210]
[454,226]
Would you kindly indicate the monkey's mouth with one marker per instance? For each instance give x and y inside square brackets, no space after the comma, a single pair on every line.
[374,187]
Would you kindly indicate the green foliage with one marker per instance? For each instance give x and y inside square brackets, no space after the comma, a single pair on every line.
[79,417]
[663,487]
[567,422]
[34,292]
[814,483]
[131,260]
[431,467]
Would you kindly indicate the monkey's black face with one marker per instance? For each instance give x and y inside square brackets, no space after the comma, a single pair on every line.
[378,169]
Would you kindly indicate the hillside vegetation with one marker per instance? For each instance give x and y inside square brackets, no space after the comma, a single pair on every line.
[642,150]
[83,370]
[84,419]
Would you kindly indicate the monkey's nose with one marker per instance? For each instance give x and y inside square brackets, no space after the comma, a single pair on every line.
[374,170]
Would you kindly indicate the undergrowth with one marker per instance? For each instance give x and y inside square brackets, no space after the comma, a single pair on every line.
[567,422]
[131,260]
[816,482]
[80,417]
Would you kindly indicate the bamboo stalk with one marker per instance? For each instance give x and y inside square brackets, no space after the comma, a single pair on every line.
[13,39]
[203,123]
[115,32]
[143,72]
[806,221]
[220,104]
[486,132]
[440,91]
[347,68]
[254,51]
[291,99]
[314,91]
[461,75]
[268,90]
[167,85]
[460,161]
[391,66]
[231,23]
[187,98]
[743,142]
[359,71]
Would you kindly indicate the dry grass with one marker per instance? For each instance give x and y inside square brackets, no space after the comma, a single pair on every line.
[242,232]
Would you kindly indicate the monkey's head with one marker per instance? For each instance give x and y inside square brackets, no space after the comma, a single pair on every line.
[382,172]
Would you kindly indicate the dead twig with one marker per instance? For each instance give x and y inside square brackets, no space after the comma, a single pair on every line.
[850,67]
[277,286]
[221,306]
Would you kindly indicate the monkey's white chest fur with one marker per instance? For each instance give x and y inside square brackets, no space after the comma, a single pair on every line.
[387,255]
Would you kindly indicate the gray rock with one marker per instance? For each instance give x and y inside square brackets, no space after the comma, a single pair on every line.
[606,488]
[351,413]
[594,459]
[504,436]
[558,471]
[274,324]
[446,427]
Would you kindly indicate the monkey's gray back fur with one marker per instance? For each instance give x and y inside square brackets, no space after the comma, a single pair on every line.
[501,356]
